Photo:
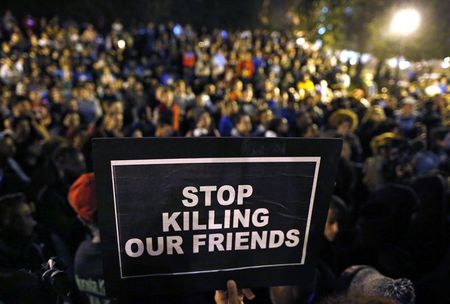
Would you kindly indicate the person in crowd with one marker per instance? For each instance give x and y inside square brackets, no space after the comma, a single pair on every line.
[243,126]
[22,254]
[326,272]
[13,178]
[88,266]
[437,157]
[367,281]
[407,116]
[88,261]
[204,126]
[345,122]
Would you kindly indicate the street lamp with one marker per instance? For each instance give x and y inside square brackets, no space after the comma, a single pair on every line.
[404,22]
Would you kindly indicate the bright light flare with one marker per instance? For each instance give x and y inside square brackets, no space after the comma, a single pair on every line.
[405,22]
[446,63]
[121,44]
[300,41]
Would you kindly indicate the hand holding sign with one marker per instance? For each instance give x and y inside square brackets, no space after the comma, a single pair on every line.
[233,295]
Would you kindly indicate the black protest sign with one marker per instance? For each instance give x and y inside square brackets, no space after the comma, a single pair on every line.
[188,214]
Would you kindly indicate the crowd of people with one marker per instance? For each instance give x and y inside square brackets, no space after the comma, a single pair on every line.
[63,83]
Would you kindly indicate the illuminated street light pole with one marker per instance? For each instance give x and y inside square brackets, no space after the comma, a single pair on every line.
[404,22]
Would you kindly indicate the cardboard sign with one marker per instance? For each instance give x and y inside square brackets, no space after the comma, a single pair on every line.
[189,214]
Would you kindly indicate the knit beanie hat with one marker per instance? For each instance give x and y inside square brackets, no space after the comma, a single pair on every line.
[82,196]
[367,281]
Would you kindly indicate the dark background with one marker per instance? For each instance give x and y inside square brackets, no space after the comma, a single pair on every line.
[212,13]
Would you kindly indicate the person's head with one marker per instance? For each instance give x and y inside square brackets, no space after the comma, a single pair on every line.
[164,125]
[72,120]
[166,97]
[69,163]
[7,147]
[344,126]
[56,95]
[115,107]
[336,213]
[374,114]
[278,127]
[35,97]
[82,199]
[202,100]
[356,299]
[238,86]
[22,128]
[145,113]
[363,280]
[244,124]
[398,161]
[388,215]
[265,116]
[440,139]
[21,107]
[311,131]
[408,105]
[16,220]
[113,122]
[229,108]
[204,120]
[344,121]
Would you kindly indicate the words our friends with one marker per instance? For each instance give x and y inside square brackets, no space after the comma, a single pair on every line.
[219,229]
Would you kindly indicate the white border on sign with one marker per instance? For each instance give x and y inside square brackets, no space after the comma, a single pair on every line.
[217,160]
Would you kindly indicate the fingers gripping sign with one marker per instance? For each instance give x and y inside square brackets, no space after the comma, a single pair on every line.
[233,295]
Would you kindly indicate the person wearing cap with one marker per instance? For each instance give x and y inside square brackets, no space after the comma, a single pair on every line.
[345,122]
[88,266]
[366,280]
[373,166]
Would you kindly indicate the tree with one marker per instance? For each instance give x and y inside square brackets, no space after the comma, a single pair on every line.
[363,26]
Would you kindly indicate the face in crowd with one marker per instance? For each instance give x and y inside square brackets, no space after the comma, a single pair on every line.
[332,225]
[244,125]
[16,220]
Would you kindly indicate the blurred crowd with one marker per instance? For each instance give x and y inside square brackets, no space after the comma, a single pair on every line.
[63,83]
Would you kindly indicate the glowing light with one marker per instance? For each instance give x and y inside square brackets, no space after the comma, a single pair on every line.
[404,64]
[121,44]
[432,90]
[365,58]
[317,44]
[177,30]
[405,22]
[300,41]
[348,55]
[224,34]
[392,63]
[322,30]
[446,63]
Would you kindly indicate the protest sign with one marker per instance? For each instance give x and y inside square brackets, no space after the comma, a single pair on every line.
[188,214]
